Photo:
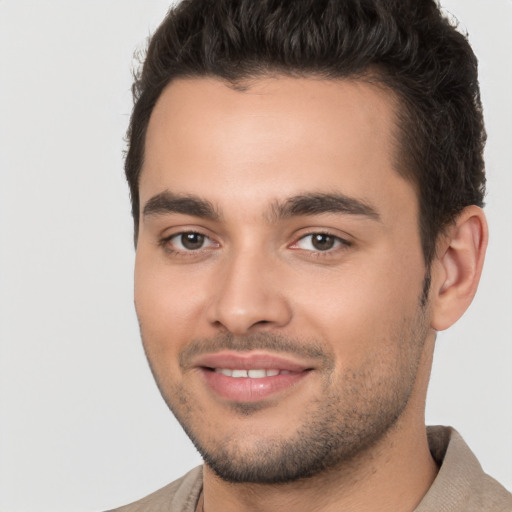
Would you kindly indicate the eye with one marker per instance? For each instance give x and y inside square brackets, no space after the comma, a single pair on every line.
[319,242]
[189,241]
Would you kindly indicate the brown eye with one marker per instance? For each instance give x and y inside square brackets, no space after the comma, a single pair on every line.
[322,242]
[189,241]
[192,241]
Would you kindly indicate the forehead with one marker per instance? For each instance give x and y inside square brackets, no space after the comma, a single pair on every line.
[276,137]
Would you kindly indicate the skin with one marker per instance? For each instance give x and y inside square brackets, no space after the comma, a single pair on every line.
[257,277]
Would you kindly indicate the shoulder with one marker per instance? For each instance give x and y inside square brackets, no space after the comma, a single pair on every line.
[491,495]
[461,485]
[178,496]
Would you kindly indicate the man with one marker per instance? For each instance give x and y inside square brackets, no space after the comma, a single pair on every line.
[307,183]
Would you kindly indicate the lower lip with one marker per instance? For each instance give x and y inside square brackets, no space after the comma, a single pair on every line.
[245,389]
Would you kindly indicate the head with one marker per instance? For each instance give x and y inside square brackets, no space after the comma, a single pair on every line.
[301,173]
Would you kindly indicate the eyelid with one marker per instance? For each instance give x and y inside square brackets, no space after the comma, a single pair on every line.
[340,242]
[167,244]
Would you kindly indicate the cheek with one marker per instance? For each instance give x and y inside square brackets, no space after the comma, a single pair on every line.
[359,307]
[167,308]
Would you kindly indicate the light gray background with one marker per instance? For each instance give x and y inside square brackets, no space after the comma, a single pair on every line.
[82,426]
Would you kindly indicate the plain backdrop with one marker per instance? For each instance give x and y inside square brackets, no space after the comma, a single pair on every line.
[82,425]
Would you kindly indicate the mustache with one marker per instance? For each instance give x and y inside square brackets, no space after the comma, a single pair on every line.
[305,349]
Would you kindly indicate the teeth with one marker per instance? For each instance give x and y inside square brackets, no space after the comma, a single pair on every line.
[257,374]
[253,374]
[226,372]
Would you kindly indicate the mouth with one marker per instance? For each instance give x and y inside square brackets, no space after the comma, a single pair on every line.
[250,377]
[250,374]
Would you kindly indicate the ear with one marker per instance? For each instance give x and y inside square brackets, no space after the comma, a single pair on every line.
[457,267]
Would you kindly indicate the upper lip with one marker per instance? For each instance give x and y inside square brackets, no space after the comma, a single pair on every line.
[249,361]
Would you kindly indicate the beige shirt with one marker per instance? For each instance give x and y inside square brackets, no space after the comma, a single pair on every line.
[460,486]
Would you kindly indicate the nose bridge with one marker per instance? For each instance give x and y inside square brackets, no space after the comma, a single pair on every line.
[248,294]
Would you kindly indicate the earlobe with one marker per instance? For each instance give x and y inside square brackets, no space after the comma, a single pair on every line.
[457,267]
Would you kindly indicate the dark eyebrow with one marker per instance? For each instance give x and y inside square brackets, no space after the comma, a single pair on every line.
[167,202]
[313,204]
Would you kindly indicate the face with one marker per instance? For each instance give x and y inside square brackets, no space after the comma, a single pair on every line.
[279,272]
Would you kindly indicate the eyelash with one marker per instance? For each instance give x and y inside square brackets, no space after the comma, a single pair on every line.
[168,247]
[341,244]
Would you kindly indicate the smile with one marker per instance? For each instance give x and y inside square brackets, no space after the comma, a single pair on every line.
[251,374]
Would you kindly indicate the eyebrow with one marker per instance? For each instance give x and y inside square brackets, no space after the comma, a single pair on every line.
[167,202]
[318,203]
[299,205]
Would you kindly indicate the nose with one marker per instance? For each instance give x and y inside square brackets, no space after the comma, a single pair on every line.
[249,295]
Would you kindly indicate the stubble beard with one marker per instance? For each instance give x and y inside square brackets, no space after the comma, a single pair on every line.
[331,437]
[353,414]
